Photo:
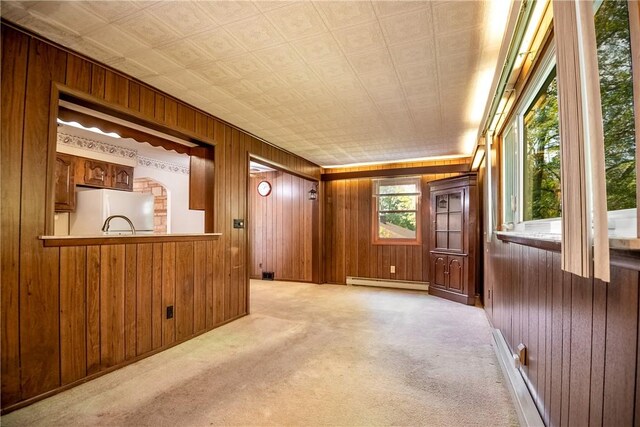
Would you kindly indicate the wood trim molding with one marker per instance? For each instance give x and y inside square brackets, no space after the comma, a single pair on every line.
[418,170]
[55,241]
[280,167]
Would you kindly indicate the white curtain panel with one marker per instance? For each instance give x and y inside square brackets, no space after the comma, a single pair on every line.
[585,241]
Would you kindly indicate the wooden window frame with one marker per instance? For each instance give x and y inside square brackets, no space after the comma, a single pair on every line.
[375,212]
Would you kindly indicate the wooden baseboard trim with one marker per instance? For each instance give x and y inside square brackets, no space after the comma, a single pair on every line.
[528,414]
[34,399]
[452,296]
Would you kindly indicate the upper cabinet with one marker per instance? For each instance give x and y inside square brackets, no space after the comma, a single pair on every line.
[72,171]
[454,238]
[97,173]
[121,177]
[65,195]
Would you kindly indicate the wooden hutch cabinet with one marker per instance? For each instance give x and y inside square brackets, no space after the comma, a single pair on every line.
[454,243]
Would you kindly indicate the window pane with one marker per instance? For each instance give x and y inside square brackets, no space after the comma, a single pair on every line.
[455,202]
[441,221]
[509,153]
[442,203]
[397,203]
[616,90]
[397,225]
[397,189]
[455,240]
[542,154]
[455,221]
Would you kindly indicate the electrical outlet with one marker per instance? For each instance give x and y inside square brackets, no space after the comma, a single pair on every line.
[170,312]
[393,269]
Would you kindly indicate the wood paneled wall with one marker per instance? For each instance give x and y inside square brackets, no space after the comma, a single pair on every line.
[113,301]
[280,227]
[32,323]
[581,334]
[348,247]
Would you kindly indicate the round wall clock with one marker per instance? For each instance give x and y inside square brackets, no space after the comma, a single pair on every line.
[264,188]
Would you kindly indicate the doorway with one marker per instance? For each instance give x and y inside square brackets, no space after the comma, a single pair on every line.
[281,224]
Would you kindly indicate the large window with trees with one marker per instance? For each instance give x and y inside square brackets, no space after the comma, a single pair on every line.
[397,210]
[531,143]
[616,93]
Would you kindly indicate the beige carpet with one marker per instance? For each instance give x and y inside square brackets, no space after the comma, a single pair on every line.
[307,355]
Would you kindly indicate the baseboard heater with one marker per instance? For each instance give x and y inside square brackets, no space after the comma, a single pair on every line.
[388,283]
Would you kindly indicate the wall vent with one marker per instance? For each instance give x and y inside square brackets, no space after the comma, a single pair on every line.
[268,275]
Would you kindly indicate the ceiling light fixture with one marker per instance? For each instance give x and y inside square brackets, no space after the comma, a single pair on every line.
[478,156]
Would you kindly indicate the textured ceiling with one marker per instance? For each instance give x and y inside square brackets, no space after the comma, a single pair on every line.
[335,82]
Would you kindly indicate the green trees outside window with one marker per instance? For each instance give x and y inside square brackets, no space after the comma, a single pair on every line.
[542,154]
[616,92]
[541,198]
[397,208]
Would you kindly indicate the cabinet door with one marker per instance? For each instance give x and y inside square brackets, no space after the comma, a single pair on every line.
[96,173]
[456,221]
[122,177]
[65,194]
[456,273]
[438,270]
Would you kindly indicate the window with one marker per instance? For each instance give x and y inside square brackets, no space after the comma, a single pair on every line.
[510,178]
[541,172]
[531,153]
[616,94]
[396,210]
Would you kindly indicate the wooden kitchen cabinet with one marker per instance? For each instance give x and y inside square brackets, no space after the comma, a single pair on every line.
[97,173]
[65,194]
[454,245]
[121,177]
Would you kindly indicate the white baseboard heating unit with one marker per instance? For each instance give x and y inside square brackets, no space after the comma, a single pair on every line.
[387,283]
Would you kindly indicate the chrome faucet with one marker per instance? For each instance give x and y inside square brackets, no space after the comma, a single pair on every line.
[105,227]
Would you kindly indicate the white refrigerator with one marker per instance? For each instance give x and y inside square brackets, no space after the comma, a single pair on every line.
[93,207]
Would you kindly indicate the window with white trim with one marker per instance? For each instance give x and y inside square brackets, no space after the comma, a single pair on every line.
[396,210]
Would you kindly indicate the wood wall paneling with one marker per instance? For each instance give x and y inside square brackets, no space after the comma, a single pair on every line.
[144,300]
[73,351]
[280,228]
[13,80]
[581,334]
[126,288]
[93,309]
[39,293]
[349,250]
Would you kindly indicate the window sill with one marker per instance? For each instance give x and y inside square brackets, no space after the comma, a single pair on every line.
[551,241]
